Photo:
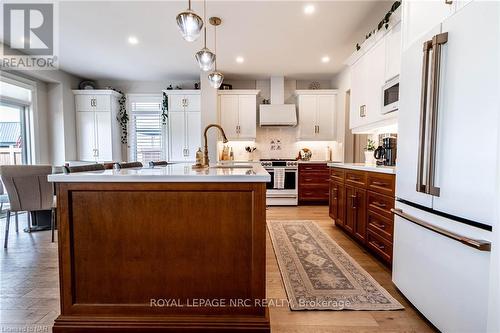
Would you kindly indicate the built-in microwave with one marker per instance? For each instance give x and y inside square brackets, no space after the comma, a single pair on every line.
[390,96]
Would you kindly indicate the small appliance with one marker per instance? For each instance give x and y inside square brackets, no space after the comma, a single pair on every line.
[390,96]
[386,154]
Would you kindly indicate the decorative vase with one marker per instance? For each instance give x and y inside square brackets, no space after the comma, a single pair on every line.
[369,158]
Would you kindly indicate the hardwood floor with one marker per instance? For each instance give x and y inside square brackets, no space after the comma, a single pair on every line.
[29,287]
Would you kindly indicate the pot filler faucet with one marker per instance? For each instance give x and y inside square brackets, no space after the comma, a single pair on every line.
[224,139]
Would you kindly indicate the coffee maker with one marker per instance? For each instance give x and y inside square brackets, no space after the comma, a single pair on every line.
[386,154]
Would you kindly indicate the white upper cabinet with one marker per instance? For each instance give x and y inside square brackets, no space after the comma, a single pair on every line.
[98,133]
[317,114]
[377,62]
[238,113]
[421,16]
[184,124]
[393,52]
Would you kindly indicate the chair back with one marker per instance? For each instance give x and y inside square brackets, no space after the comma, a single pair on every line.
[27,186]
[126,165]
[83,168]
[152,164]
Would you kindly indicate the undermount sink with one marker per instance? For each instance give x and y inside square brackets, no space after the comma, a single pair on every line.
[232,166]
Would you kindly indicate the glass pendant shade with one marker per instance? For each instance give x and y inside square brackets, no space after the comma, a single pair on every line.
[215,79]
[205,59]
[190,25]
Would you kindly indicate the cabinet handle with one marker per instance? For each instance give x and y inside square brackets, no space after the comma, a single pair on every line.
[354,178]
[448,2]
[377,245]
[318,129]
[379,184]
[379,204]
[381,226]
[353,201]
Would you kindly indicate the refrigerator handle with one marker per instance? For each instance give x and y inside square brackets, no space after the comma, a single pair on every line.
[437,42]
[478,244]
[423,117]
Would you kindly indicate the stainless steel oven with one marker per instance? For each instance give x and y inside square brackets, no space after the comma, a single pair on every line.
[288,194]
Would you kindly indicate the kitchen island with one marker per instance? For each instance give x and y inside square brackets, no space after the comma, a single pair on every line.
[166,249]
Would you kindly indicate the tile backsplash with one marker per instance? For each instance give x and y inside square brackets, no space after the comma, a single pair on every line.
[281,142]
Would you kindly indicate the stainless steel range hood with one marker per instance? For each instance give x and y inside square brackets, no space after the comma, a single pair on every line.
[277,113]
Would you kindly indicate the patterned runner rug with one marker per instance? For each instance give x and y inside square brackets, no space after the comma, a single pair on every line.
[319,275]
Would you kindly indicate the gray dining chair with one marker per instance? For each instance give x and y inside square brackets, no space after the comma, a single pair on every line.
[28,190]
[4,199]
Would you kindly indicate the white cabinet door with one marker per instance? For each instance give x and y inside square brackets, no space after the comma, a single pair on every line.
[229,105]
[393,52]
[247,116]
[374,81]
[468,113]
[193,124]
[85,135]
[325,118]
[102,102]
[177,136]
[192,102]
[84,102]
[419,17]
[308,106]
[104,140]
[176,103]
[408,123]
[358,96]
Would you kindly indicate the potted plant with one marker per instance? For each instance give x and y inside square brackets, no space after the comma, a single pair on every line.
[369,150]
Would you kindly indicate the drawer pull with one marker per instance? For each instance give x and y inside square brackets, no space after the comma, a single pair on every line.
[379,204]
[379,183]
[381,226]
[377,245]
[354,178]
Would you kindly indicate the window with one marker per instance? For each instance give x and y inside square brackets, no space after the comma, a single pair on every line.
[15,138]
[147,134]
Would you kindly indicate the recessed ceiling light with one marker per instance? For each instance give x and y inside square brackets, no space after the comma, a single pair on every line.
[325,59]
[240,60]
[133,40]
[309,9]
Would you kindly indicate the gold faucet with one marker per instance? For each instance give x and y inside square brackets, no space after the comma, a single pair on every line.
[224,139]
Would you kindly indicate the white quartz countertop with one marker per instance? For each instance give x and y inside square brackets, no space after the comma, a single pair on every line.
[364,167]
[181,172]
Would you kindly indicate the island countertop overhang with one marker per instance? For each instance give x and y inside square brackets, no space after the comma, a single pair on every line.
[175,173]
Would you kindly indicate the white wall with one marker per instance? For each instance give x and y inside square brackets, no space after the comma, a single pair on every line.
[342,82]
[144,87]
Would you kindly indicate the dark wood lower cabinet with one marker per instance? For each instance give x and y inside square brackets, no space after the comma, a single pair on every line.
[362,208]
[313,183]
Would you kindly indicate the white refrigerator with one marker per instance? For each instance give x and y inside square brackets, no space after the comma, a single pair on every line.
[447,184]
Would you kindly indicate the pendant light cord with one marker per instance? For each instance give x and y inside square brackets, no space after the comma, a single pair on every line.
[215,47]
[205,23]
[189,4]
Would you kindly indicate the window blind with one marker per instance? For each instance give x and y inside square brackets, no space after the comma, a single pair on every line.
[146,132]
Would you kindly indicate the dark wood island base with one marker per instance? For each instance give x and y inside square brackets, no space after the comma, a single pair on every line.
[162,257]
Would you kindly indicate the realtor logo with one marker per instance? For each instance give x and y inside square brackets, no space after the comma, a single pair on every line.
[28,29]
[29,36]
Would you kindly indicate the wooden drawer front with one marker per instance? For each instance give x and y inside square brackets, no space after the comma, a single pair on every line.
[380,225]
[313,167]
[337,174]
[380,204]
[354,177]
[314,193]
[314,178]
[381,183]
[380,246]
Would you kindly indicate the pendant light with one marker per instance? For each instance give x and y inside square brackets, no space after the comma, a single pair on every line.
[205,57]
[215,78]
[190,24]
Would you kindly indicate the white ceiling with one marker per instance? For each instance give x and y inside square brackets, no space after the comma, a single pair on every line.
[274,37]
